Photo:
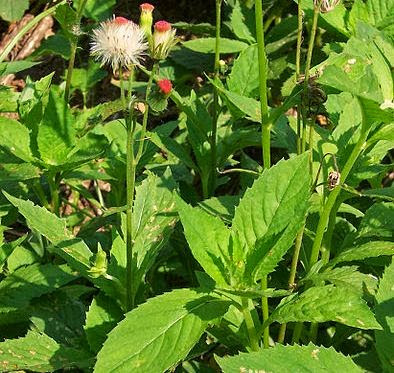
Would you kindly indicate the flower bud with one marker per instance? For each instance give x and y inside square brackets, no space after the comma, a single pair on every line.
[99,267]
[146,20]
[163,40]
[165,86]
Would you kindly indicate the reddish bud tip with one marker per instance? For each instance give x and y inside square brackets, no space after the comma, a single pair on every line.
[146,7]
[165,86]
[162,26]
[121,20]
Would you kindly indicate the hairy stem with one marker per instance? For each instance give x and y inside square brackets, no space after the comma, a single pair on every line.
[74,45]
[265,125]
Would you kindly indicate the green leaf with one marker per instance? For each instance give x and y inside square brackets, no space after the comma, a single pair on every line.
[85,79]
[244,76]
[60,317]
[13,10]
[101,318]
[269,214]
[153,221]
[295,359]
[8,99]
[40,353]
[326,303]
[26,283]
[380,12]
[15,138]
[350,276]
[97,9]
[384,314]
[15,66]
[18,172]
[384,133]
[166,328]
[41,220]
[207,45]
[56,135]
[368,250]
[378,221]
[242,22]
[208,239]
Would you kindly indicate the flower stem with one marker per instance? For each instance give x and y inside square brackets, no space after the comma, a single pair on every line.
[265,125]
[146,113]
[212,180]
[74,45]
[253,340]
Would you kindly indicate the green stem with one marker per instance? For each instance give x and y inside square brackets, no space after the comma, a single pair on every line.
[293,271]
[311,44]
[130,186]
[265,125]
[53,186]
[212,181]
[26,29]
[297,332]
[74,45]
[298,72]
[253,340]
[299,40]
[146,114]
[265,309]
[331,200]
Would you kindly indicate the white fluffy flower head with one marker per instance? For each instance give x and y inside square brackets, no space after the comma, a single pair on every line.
[118,42]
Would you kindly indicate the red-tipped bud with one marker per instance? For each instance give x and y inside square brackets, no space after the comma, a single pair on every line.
[146,7]
[165,86]
[121,20]
[162,26]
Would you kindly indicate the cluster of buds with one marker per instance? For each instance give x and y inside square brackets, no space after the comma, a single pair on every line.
[326,6]
[120,42]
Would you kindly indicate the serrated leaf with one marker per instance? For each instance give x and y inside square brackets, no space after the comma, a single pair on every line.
[368,250]
[269,213]
[350,276]
[40,353]
[15,138]
[166,327]
[244,76]
[101,318]
[378,221]
[207,45]
[56,135]
[295,359]
[384,314]
[326,303]
[26,283]
[41,220]
[208,239]
[60,317]
[242,22]
[13,10]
